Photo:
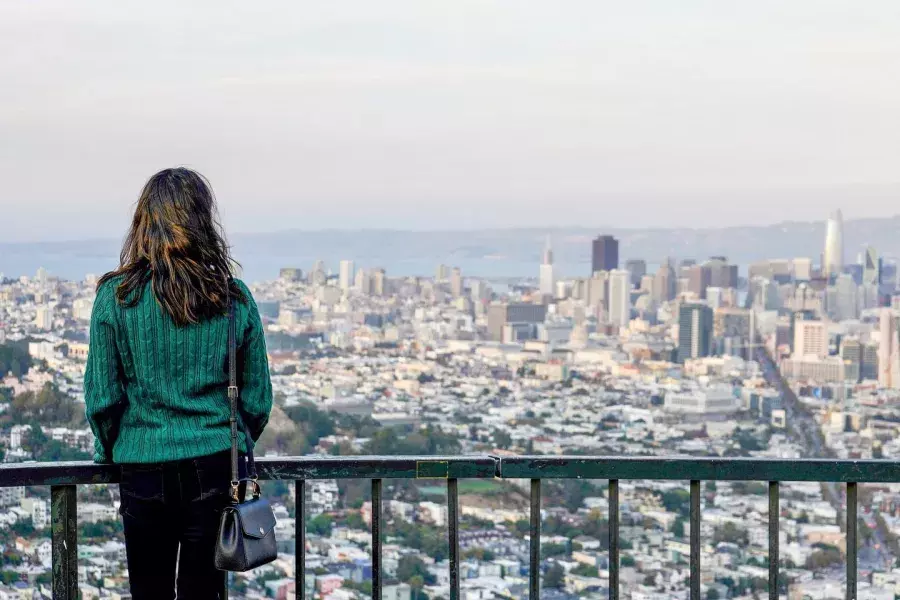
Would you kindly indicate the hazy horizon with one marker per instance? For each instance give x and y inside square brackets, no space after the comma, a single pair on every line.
[423,114]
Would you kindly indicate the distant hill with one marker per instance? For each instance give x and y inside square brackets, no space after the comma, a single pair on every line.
[489,252]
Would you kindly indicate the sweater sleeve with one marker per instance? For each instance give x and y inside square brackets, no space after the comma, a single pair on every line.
[255,384]
[104,393]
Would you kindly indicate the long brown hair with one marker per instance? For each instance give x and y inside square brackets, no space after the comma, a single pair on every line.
[176,243]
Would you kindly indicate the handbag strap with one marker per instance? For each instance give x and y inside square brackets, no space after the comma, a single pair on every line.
[233,395]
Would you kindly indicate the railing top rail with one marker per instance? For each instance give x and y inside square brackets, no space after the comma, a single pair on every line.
[515,467]
[699,468]
[287,468]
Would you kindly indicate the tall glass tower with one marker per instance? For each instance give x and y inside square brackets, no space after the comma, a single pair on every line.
[834,245]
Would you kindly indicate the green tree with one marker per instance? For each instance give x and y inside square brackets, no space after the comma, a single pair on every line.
[502,439]
[730,533]
[678,528]
[14,359]
[554,550]
[585,571]
[411,566]
[320,525]
[677,501]
[554,577]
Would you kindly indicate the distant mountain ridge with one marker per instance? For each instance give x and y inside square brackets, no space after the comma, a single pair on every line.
[486,252]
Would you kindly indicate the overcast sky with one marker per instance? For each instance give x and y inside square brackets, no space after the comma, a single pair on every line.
[450,114]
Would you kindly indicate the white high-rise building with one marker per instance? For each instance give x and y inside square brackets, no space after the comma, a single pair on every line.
[810,339]
[619,297]
[802,269]
[888,360]
[44,318]
[834,245]
[346,275]
[547,276]
[81,308]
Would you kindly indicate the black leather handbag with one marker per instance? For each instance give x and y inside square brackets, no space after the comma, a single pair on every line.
[247,529]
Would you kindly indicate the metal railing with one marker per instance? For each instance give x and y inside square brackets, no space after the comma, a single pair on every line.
[64,477]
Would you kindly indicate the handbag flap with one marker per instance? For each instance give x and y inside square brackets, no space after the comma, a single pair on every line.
[256,517]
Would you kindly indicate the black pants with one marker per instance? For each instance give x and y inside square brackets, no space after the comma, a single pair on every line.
[171,516]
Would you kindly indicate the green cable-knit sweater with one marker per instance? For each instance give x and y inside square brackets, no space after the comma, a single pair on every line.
[156,391]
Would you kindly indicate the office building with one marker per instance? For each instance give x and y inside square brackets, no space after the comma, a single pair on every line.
[721,274]
[846,296]
[810,339]
[637,268]
[547,277]
[698,277]
[456,283]
[732,330]
[664,284]
[695,328]
[605,254]
[598,290]
[888,375]
[442,274]
[871,267]
[619,297]
[833,263]
[379,282]
[345,278]
[363,281]
[521,316]
[802,269]
[869,366]
[852,354]
[43,319]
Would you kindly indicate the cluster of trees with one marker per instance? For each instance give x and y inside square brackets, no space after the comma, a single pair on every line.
[14,359]
[427,441]
[429,540]
[49,406]
[45,449]
[105,530]
[732,534]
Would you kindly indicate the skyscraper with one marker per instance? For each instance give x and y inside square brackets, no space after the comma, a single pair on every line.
[346,275]
[721,274]
[664,284]
[619,297]
[810,339]
[834,245]
[871,267]
[547,275]
[605,254]
[695,327]
[698,280]
[456,282]
[887,350]
[637,268]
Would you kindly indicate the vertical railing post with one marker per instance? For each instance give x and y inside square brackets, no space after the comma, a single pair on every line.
[534,574]
[695,540]
[852,522]
[64,541]
[613,539]
[300,539]
[774,518]
[453,532]
[376,540]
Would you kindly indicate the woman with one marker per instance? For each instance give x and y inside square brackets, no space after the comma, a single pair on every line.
[156,384]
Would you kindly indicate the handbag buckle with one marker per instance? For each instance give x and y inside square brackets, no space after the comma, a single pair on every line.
[235,485]
[232,391]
